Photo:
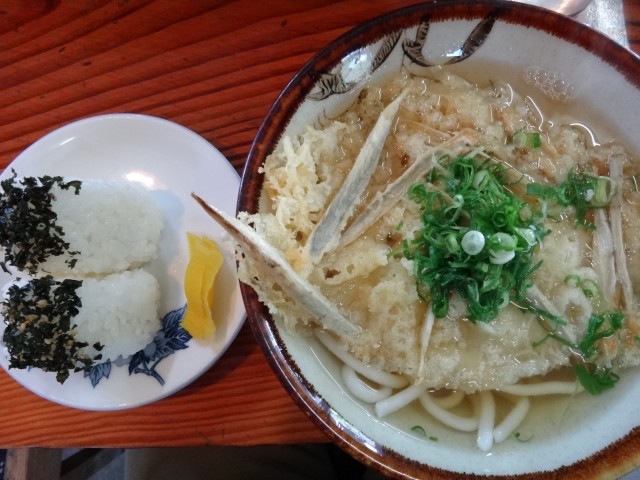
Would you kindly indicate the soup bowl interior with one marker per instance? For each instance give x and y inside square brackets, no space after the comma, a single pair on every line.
[535,51]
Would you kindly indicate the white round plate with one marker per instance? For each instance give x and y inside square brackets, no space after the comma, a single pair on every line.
[171,162]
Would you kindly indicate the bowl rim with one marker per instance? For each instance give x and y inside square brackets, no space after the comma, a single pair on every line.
[311,402]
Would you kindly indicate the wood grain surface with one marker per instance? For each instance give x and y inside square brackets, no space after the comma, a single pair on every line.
[214,67]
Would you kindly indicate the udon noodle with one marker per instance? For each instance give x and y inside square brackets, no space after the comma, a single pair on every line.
[543,301]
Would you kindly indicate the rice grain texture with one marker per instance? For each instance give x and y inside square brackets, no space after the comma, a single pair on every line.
[119,311]
[115,226]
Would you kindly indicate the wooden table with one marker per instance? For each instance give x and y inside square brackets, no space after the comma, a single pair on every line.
[214,67]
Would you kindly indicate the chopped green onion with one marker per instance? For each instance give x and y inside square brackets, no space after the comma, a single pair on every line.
[595,380]
[588,287]
[465,208]
[502,241]
[493,277]
[452,242]
[518,436]
[473,242]
[419,429]
[540,190]
[479,178]
[604,192]
[501,257]
[506,299]
[600,326]
[580,190]
[528,140]
[528,235]
[573,280]
[502,248]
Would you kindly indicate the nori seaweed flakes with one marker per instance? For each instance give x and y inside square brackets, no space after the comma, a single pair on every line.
[28,229]
[39,330]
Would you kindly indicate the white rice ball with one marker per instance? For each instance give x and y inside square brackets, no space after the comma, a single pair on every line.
[114,225]
[119,311]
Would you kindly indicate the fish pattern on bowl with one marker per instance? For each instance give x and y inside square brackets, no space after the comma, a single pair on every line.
[352,72]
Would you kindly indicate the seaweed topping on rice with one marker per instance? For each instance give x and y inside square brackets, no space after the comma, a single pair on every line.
[87,300]
[63,325]
[28,229]
[40,331]
[61,227]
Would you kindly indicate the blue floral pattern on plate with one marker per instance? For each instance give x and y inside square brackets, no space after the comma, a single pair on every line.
[168,340]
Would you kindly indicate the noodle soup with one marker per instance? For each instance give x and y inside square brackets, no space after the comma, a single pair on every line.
[515,47]
[484,254]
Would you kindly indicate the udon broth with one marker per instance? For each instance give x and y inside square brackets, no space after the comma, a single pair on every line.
[372,279]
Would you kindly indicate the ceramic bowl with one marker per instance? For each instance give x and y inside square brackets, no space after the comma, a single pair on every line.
[598,436]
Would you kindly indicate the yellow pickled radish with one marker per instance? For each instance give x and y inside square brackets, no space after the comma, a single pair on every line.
[205,261]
